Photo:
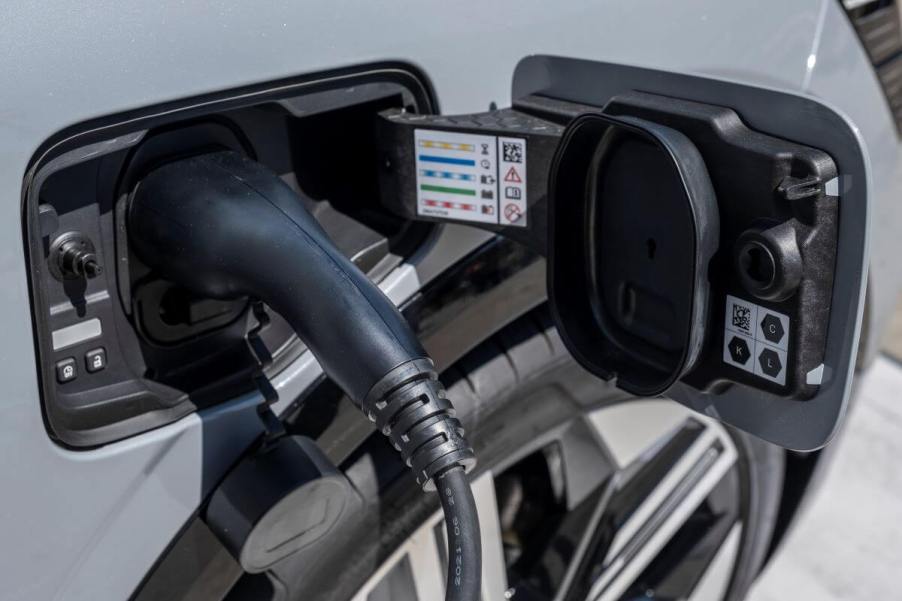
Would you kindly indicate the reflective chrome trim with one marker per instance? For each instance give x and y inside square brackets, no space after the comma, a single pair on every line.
[452,243]
[714,584]
[709,463]
[399,285]
[494,573]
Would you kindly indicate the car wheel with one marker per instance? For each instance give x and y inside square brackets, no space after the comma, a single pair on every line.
[583,492]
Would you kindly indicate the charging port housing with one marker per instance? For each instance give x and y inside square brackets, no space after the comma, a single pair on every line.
[163,352]
[754,323]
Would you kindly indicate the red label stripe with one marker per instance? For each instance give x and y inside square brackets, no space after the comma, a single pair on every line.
[462,206]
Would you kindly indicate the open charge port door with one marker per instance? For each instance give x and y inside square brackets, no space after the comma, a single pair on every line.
[705,240]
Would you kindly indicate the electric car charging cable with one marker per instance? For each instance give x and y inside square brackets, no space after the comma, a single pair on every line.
[408,414]
[224,226]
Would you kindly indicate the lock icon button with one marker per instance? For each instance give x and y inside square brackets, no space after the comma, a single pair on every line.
[95,360]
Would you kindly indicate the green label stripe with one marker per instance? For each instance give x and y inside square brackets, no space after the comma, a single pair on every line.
[431,188]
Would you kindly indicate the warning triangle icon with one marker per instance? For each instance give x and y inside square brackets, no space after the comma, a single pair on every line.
[513,176]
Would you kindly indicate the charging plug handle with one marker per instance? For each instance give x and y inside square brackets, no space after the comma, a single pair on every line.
[224,226]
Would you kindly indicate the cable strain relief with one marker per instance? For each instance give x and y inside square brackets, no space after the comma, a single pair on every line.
[410,407]
[409,371]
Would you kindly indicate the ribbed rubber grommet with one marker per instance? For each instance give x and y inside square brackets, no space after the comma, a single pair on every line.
[410,407]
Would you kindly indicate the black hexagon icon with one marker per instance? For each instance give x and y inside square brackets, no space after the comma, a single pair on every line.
[770,362]
[772,328]
[739,350]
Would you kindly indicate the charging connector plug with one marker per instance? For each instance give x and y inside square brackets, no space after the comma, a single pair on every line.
[224,227]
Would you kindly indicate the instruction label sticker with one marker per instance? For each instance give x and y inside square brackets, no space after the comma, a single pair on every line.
[471,177]
[756,339]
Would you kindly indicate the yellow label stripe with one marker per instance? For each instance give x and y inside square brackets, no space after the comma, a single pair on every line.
[447,145]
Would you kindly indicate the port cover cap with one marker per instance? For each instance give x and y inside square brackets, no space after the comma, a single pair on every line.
[633,226]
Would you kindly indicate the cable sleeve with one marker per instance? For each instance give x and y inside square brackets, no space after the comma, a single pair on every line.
[464,544]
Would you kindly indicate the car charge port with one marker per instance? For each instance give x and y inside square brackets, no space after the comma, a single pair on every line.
[170,351]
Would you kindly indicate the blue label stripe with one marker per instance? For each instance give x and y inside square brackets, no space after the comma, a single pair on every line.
[428,158]
[466,177]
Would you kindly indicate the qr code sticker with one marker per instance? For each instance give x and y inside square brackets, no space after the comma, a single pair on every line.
[512,152]
[742,317]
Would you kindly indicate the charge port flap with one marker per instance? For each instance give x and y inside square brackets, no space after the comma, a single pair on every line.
[642,216]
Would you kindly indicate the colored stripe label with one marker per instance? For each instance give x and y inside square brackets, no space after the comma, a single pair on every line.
[427,158]
[467,177]
[459,176]
[461,206]
[447,145]
[447,190]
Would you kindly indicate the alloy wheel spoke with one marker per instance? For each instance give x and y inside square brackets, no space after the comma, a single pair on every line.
[716,579]
[640,509]
[426,565]
[494,572]
[684,471]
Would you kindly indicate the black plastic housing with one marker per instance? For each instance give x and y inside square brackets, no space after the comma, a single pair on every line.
[281,500]
[634,225]
[763,184]
[661,213]
[395,132]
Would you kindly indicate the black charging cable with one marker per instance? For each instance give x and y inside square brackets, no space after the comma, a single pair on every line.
[224,227]
[409,406]
[462,525]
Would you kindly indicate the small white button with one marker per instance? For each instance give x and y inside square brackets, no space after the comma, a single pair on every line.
[95,360]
